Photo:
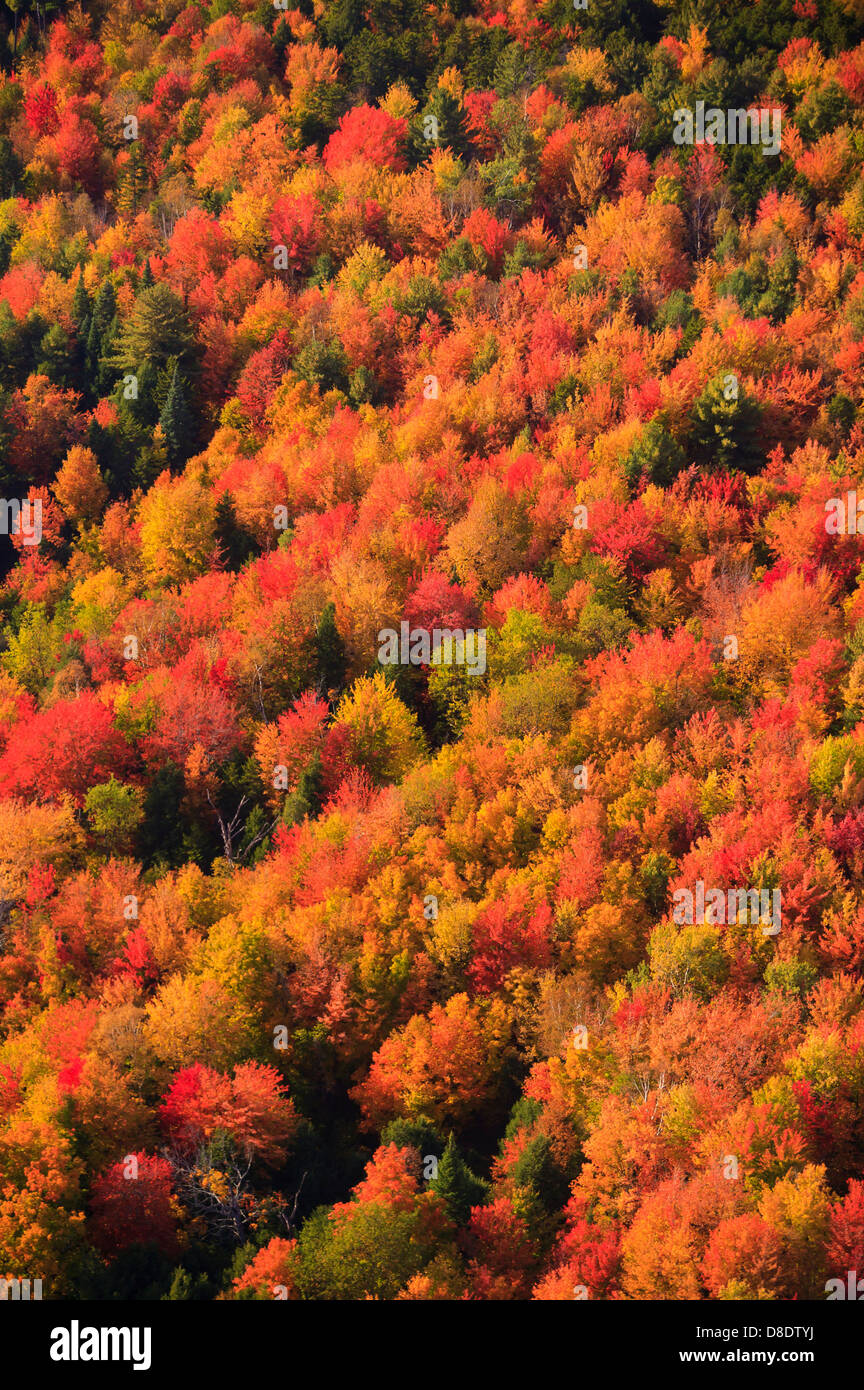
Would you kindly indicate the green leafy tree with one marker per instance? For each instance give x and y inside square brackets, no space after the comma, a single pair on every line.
[114,810]
[373,1252]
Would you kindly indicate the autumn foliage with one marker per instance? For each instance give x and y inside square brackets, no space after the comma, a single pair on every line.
[330,976]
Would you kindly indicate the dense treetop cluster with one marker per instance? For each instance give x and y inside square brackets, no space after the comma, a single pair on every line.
[344,980]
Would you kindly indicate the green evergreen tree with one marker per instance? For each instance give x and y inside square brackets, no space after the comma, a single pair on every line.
[103,315]
[82,308]
[160,837]
[725,426]
[330,654]
[419,1134]
[186,1288]
[56,357]
[442,124]
[176,421]
[11,170]
[100,338]
[656,455]
[457,1185]
[538,1173]
[308,797]
[235,543]
[157,329]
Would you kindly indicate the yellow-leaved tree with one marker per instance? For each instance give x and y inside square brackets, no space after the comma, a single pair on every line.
[386,737]
[178,528]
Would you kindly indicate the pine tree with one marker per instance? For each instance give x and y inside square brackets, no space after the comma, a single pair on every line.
[442,124]
[82,309]
[144,406]
[725,427]
[537,1173]
[150,460]
[103,327]
[308,798]
[104,312]
[419,1134]
[161,833]
[176,421]
[157,329]
[330,654]
[457,1185]
[235,544]
[55,357]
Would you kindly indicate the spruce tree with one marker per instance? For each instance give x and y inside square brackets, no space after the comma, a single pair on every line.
[330,653]
[176,421]
[104,312]
[235,544]
[103,326]
[457,1185]
[157,329]
[82,309]
[56,357]
[442,124]
[725,427]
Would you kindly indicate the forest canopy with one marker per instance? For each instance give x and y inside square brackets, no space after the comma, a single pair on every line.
[527,966]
